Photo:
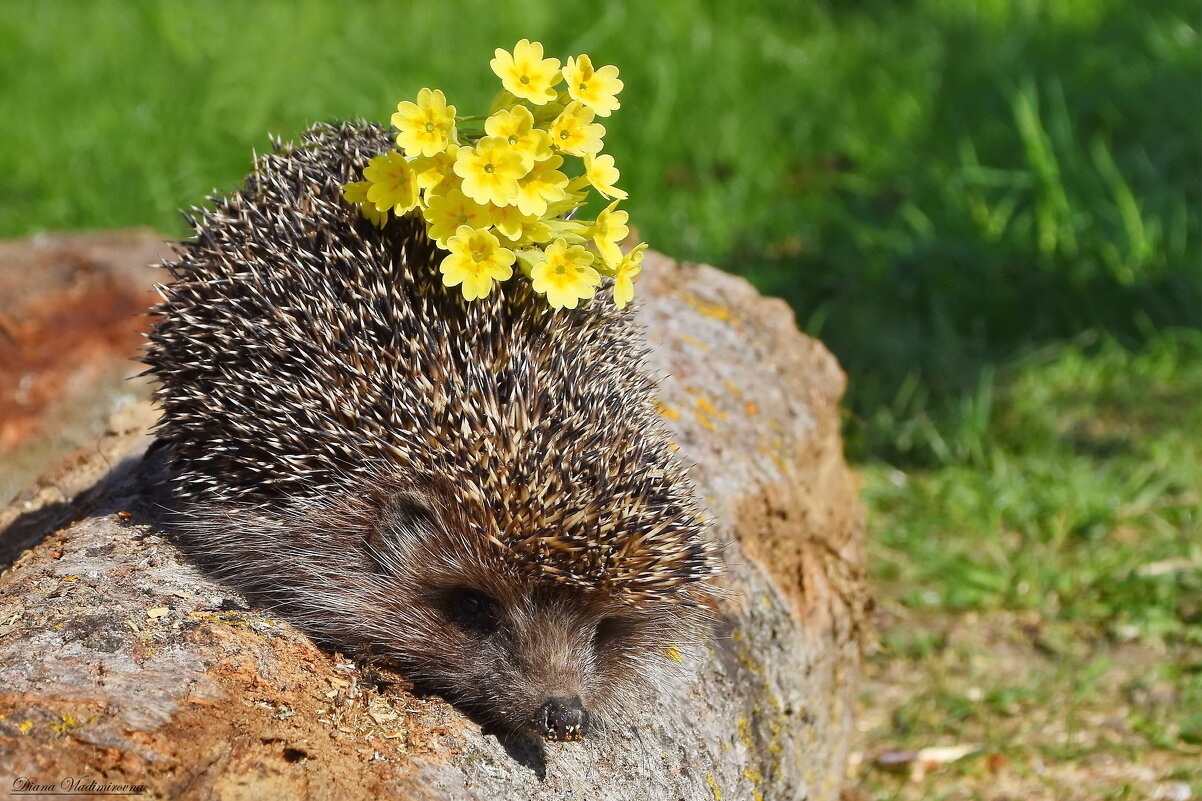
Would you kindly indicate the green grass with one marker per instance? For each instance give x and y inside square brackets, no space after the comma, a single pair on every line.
[1041,576]
[990,211]
[1069,485]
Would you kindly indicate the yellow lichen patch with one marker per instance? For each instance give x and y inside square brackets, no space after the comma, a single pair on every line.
[776,724]
[751,409]
[25,726]
[230,618]
[733,387]
[713,783]
[752,774]
[774,745]
[694,341]
[666,411]
[745,733]
[70,578]
[707,407]
[673,653]
[65,725]
[775,450]
[706,414]
[744,656]
[708,309]
[227,616]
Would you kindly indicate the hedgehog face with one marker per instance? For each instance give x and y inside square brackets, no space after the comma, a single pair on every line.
[524,654]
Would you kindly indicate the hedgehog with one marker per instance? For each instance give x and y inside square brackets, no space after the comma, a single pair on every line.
[480,494]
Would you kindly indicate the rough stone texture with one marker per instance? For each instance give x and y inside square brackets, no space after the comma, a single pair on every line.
[69,318]
[121,661]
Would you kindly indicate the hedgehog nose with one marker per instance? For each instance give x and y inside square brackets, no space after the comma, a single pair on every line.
[562,719]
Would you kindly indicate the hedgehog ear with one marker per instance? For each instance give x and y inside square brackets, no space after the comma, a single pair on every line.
[404,519]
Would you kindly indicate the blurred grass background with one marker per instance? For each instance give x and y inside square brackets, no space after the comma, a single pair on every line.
[990,212]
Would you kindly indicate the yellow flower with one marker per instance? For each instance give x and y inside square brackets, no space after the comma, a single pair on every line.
[525,72]
[356,193]
[475,261]
[447,211]
[610,229]
[393,184]
[602,174]
[575,132]
[595,89]
[630,266]
[425,127]
[431,170]
[516,126]
[544,184]
[509,221]
[490,171]
[564,275]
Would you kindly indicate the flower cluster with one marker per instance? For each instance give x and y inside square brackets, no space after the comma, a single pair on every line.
[495,192]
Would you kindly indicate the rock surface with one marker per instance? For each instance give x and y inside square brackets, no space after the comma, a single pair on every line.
[121,662]
[70,311]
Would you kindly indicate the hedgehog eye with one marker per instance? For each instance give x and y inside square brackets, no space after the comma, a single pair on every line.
[471,608]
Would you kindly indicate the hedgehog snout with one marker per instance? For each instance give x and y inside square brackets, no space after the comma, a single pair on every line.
[562,718]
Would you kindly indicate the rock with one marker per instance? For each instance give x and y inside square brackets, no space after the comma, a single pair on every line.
[69,321]
[123,663]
